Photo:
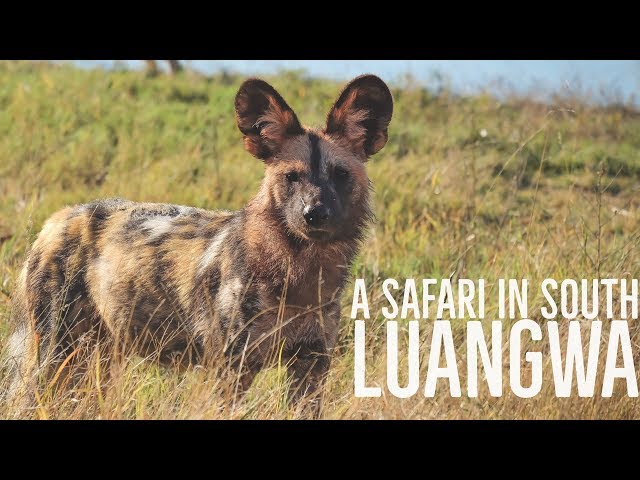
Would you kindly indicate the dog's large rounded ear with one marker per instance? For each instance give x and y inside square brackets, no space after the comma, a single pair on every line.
[361,115]
[264,118]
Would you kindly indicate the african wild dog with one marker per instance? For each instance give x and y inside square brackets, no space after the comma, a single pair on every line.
[182,281]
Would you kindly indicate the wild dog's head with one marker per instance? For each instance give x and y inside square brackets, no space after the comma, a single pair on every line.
[315,181]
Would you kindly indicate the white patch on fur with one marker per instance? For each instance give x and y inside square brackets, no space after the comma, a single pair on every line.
[48,230]
[105,275]
[17,344]
[324,164]
[213,250]
[22,369]
[157,226]
[229,295]
[16,361]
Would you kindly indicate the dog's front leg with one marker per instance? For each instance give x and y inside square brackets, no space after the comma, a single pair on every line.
[308,368]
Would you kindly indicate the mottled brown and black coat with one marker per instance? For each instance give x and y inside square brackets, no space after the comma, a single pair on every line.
[181,282]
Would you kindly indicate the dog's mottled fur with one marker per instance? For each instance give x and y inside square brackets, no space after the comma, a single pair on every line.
[181,282]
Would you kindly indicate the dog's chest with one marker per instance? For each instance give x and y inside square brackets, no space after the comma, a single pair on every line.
[260,308]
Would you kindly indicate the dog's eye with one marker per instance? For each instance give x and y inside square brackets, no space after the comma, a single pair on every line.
[341,173]
[292,176]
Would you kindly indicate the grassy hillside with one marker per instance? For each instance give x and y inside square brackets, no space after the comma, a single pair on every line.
[467,187]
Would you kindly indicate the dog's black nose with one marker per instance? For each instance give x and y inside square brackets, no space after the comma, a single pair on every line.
[317,215]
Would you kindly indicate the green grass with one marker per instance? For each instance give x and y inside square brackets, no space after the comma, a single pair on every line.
[529,199]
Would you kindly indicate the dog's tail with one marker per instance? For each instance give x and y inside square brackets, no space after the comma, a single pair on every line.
[19,359]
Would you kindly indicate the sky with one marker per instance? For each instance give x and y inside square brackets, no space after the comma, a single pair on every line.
[604,80]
